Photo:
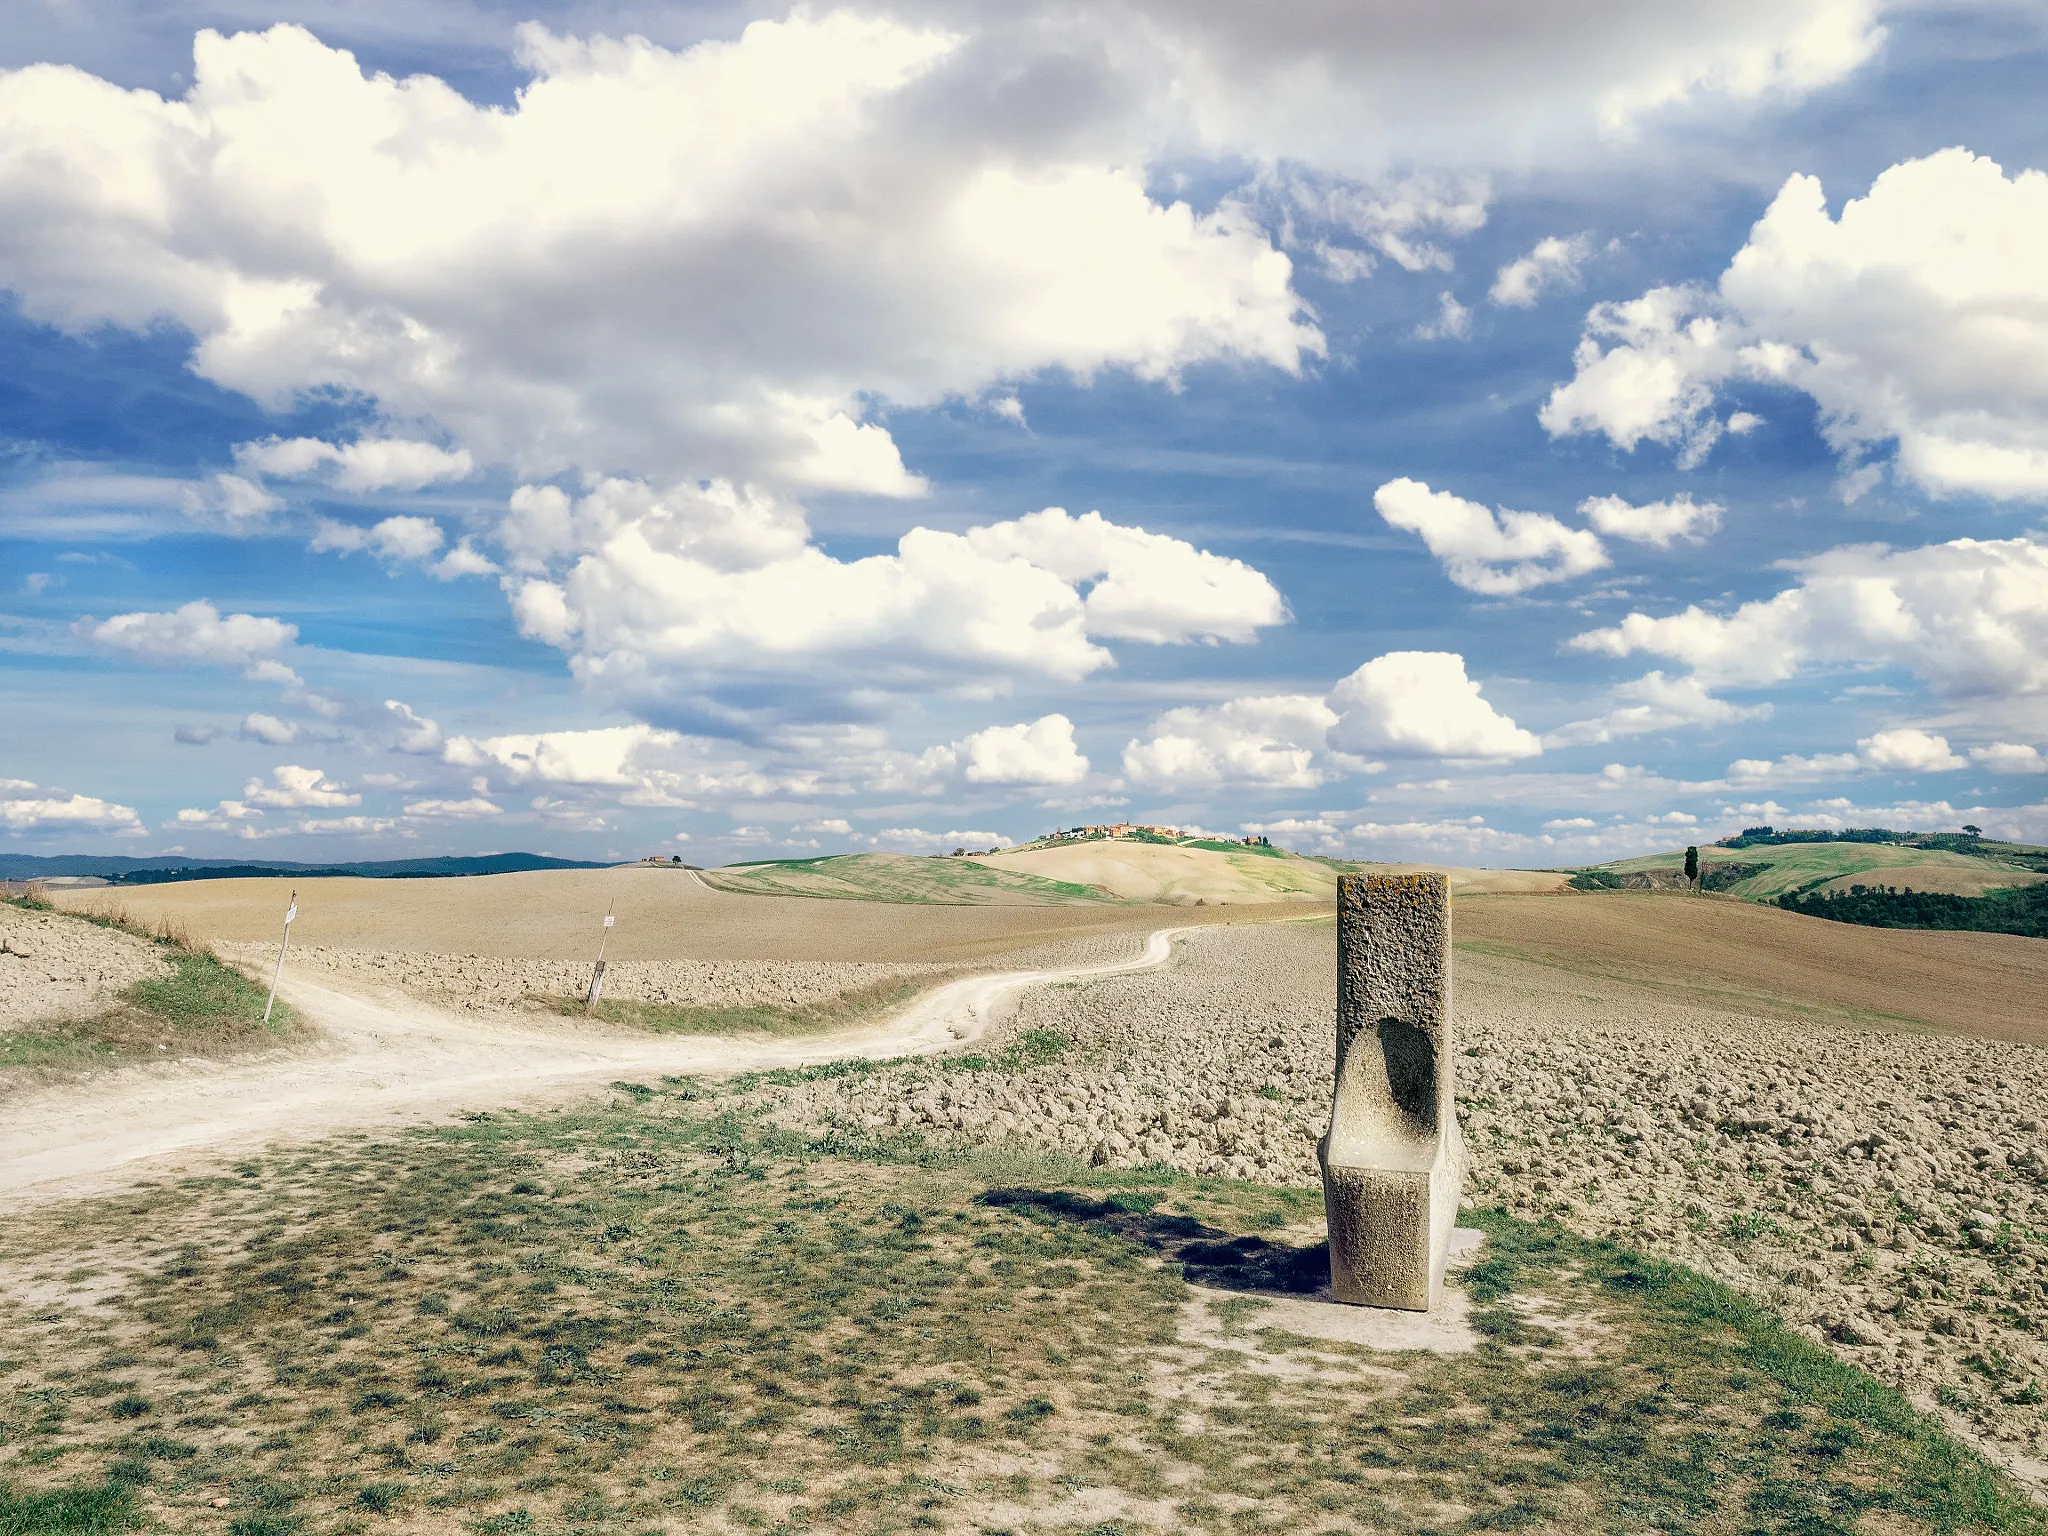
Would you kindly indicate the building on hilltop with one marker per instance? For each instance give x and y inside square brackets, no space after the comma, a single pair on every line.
[1145,832]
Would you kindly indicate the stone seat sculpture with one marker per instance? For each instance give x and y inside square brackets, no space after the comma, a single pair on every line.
[1393,1160]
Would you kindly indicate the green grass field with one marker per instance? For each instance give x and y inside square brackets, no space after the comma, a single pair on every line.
[1800,866]
[664,1316]
[899,877]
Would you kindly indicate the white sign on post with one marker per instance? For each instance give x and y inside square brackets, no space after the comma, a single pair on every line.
[291,911]
[597,971]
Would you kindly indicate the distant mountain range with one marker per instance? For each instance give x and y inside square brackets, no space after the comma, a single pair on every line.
[131,871]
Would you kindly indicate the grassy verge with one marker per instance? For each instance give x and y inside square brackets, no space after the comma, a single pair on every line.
[844,1010]
[665,1316]
[200,1006]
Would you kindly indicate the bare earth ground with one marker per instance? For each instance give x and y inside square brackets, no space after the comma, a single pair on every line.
[1737,954]
[663,914]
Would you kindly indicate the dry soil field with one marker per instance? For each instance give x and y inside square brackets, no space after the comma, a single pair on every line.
[1739,955]
[1885,1189]
[663,914]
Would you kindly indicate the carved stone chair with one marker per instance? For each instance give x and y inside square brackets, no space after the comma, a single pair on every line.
[1393,1160]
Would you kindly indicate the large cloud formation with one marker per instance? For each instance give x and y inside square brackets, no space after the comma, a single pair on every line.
[1919,317]
[699,261]
[719,255]
[717,580]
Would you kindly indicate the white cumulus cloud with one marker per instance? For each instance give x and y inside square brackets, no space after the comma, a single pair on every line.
[296,788]
[394,539]
[199,633]
[1553,262]
[1657,522]
[636,764]
[1907,749]
[368,464]
[722,580]
[1276,740]
[1421,704]
[1656,703]
[1918,318]
[2010,757]
[415,733]
[22,811]
[473,807]
[1141,586]
[1405,704]
[1969,617]
[1482,551]
[1453,321]
[230,503]
[302,219]
[1037,753]
[269,730]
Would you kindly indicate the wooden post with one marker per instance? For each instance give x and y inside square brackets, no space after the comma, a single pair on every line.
[291,911]
[597,972]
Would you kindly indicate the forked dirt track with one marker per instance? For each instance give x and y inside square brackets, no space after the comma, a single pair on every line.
[389,1060]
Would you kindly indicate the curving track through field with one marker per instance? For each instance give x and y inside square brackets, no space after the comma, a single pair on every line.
[381,1062]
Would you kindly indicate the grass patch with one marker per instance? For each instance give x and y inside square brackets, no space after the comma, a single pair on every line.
[901,878]
[845,1010]
[1031,1048]
[664,1314]
[96,1511]
[201,1006]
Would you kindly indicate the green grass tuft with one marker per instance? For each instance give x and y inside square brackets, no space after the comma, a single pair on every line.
[201,993]
[97,1511]
[855,1006]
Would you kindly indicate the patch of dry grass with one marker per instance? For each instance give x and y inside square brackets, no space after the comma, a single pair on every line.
[846,1010]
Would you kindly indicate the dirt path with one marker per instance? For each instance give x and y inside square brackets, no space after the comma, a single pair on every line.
[390,1059]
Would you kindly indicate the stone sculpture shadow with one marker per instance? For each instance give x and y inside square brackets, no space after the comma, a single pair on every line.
[1207,1255]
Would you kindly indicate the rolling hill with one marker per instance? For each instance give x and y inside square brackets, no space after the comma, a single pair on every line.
[903,878]
[1763,873]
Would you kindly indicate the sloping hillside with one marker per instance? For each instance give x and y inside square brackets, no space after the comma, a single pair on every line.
[1756,959]
[1765,872]
[902,878]
[1217,874]
[1174,873]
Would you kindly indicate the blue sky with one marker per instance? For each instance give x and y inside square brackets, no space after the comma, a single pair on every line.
[612,430]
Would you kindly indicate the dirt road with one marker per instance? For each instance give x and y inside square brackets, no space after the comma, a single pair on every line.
[386,1060]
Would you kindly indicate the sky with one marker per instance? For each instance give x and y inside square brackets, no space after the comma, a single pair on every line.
[1487,432]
